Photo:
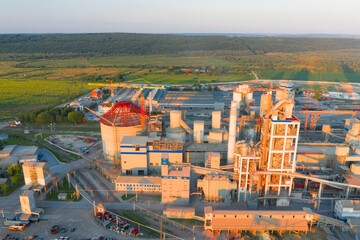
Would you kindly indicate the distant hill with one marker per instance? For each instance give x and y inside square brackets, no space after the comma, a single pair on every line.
[163,44]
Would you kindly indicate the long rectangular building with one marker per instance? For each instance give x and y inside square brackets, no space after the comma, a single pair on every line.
[220,220]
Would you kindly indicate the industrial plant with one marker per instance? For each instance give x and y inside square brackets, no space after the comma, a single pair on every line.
[258,157]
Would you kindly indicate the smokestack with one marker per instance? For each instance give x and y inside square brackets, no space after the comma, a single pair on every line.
[232,132]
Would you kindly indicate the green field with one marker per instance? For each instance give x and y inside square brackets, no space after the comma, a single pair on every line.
[319,76]
[29,82]
[21,95]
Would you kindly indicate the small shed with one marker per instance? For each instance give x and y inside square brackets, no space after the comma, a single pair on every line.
[62,196]
[100,208]
[3,137]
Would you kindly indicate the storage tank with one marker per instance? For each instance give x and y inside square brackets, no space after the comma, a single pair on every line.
[176,130]
[123,119]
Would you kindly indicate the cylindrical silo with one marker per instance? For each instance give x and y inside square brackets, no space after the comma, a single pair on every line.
[123,119]
[175,118]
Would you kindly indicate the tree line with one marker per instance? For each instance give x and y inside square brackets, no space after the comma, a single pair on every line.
[104,44]
[53,115]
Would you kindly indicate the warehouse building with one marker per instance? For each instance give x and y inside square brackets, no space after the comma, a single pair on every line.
[229,220]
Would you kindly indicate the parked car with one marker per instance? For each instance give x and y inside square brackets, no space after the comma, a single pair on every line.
[54,229]
[16,228]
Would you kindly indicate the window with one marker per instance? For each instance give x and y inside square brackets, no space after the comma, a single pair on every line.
[128,172]
[208,223]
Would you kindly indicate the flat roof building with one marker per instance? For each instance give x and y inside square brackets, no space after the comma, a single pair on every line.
[138,184]
[230,220]
[175,183]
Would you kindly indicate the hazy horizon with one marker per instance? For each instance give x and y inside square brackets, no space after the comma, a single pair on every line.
[163,16]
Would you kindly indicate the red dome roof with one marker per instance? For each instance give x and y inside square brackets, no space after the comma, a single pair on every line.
[124,114]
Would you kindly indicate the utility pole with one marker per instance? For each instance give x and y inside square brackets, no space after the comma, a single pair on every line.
[160,228]
[94,208]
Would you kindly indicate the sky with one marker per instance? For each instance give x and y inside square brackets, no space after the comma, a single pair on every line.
[181,16]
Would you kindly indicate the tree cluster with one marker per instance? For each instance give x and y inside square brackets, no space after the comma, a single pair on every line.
[52,115]
[16,178]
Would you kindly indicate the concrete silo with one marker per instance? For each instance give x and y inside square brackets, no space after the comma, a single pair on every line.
[123,119]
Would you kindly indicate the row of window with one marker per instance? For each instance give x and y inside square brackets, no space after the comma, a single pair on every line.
[136,185]
[259,216]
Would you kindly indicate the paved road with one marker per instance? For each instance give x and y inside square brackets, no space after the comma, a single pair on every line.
[61,169]
[49,157]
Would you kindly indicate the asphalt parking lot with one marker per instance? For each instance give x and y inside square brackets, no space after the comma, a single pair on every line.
[81,219]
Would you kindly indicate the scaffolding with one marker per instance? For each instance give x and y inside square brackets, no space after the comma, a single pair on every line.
[167,144]
[281,142]
[33,175]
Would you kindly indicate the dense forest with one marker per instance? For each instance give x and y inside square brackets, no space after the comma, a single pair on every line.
[106,44]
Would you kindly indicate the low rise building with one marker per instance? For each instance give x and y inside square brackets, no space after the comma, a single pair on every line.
[7,150]
[97,93]
[347,209]
[183,213]
[138,184]
[175,182]
[235,220]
